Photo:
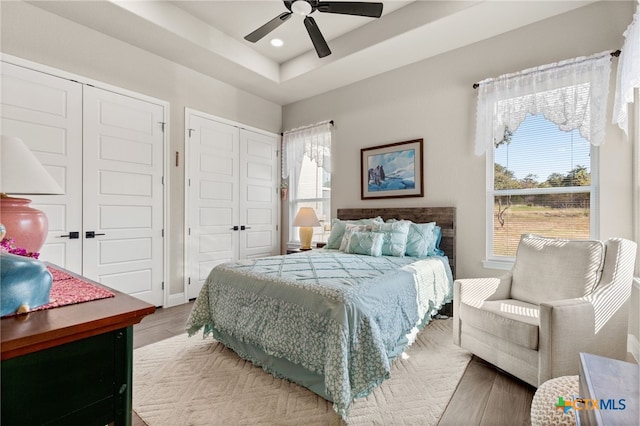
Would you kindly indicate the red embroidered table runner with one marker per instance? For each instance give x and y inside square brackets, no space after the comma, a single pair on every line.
[68,290]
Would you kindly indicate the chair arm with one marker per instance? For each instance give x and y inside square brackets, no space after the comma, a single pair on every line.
[474,291]
[593,323]
[477,290]
[565,326]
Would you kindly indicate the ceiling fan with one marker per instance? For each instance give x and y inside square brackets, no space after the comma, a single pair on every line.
[306,8]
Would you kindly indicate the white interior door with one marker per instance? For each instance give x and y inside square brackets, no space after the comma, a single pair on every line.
[213,197]
[123,193]
[46,113]
[258,194]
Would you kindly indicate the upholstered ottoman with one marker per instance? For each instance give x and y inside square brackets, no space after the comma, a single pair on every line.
[543,407]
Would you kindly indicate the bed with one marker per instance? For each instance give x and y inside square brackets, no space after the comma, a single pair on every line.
[328,320]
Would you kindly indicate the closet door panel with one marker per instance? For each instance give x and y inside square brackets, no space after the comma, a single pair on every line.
[46,113]
[213,198]
[258,194]
[123,193]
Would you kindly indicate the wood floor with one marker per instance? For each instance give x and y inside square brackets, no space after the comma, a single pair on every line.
[485,395]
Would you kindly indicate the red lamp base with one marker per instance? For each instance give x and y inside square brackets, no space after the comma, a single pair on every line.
[27,226]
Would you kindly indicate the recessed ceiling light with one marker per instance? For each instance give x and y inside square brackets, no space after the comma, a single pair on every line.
[276,42]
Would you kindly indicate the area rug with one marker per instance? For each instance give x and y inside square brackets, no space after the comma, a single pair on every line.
[190,381]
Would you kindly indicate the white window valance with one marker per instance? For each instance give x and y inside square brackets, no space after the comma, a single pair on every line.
[311,141]
[572,94]
[628,73]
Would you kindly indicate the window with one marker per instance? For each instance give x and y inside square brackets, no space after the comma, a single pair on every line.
[540,129]
[542,184]
[311,188]
[306,170]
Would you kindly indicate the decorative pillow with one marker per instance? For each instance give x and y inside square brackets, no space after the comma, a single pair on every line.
[338,227]
[348,230]
[437,234]
[367,243]
[394,237]
[420,239]
[419,236]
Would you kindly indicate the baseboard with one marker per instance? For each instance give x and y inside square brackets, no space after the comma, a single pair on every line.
[176,299]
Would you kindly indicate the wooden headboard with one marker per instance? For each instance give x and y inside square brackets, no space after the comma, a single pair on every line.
[445,217]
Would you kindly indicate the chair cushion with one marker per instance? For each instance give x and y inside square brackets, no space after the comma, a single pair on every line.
[549,269]
[512,320]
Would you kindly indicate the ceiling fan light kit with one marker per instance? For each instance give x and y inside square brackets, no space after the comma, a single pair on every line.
[301,7]
[306,8]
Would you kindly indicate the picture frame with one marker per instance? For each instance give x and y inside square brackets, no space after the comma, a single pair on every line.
[392,171]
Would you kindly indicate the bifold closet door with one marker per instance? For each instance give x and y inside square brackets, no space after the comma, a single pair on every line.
[214,204]
[46,113]
[123,193]
[232,196]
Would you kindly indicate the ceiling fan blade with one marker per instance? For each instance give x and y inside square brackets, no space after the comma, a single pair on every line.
[268,27]
[372,10]
[316,37]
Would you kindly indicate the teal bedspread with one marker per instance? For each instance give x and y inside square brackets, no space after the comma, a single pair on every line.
[341,316]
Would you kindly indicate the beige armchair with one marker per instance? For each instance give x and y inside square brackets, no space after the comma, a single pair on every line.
[561,297]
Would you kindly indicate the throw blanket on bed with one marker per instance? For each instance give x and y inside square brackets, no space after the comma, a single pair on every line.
[338,315]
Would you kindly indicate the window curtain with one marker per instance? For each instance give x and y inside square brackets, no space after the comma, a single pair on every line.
[312,141]
[628,78]
[572,94]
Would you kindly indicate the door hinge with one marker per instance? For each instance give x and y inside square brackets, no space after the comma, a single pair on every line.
[276,227]
[163,285]
[189,281]
[163,233]
[189,231]
[162,180]
[191,131]
[162,123]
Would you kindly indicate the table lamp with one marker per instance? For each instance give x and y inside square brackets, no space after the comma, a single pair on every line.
[22,173]
[306,219]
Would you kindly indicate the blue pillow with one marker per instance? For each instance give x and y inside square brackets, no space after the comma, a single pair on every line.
[338,227]
[421,240]
[368,243]
[437,233]
[394,237]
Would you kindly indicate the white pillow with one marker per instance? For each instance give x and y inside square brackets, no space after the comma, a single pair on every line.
[349,229]
[394,237]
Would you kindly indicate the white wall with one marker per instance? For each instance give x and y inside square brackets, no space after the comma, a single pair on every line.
[31,33]
[434,100]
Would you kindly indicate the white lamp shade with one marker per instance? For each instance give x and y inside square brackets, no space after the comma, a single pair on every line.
[306,217]
[21,172]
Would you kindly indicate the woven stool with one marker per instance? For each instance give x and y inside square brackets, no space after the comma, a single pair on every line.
[543,406]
